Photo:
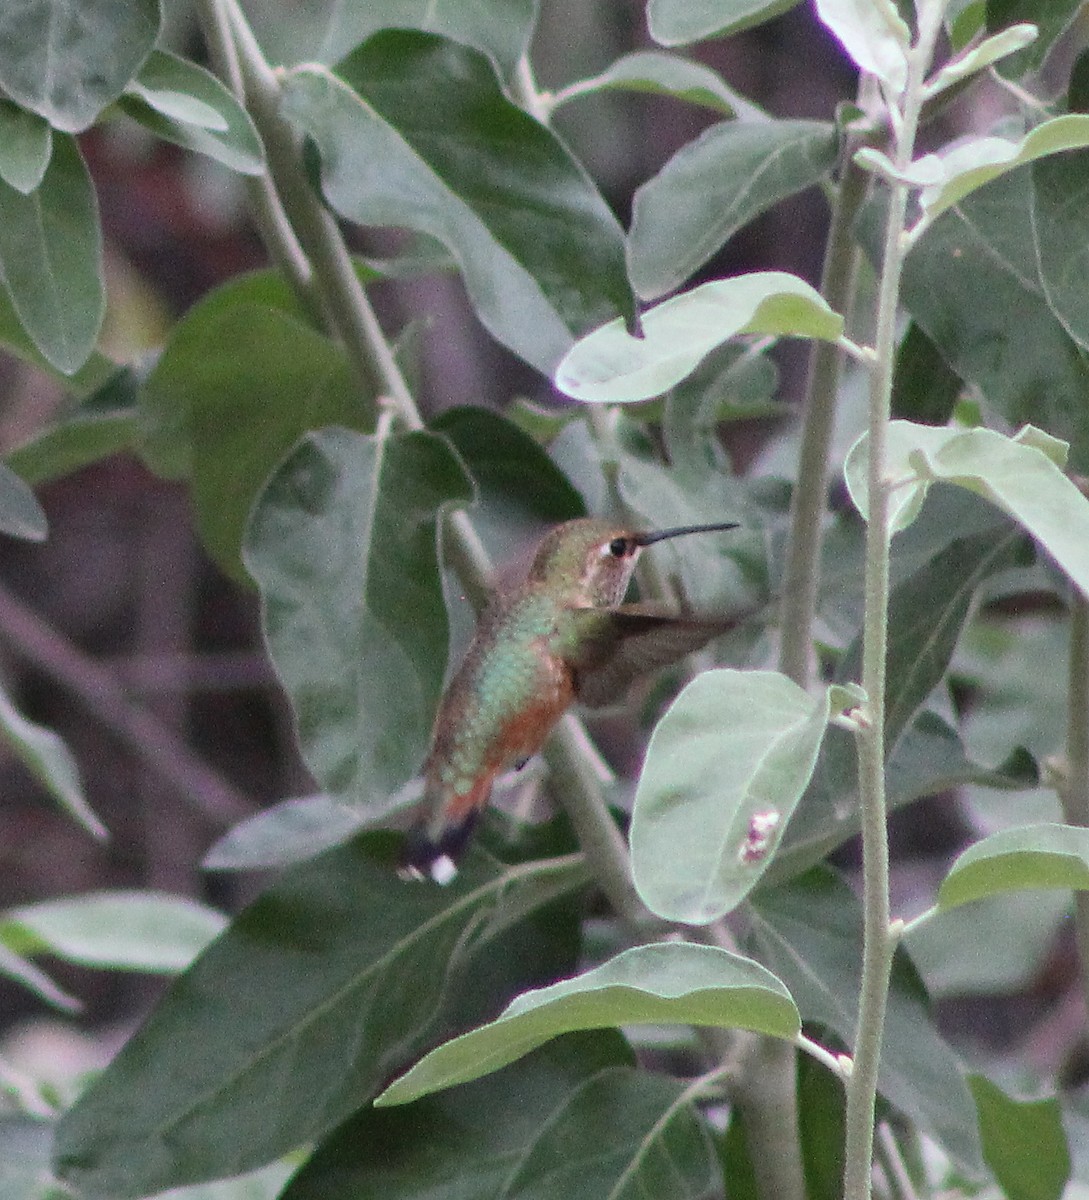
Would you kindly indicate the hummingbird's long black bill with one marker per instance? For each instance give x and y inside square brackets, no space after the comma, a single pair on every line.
[660,535]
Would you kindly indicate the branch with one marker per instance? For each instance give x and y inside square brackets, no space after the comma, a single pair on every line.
[100,692]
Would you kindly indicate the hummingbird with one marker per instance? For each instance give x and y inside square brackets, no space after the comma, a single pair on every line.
[562,635]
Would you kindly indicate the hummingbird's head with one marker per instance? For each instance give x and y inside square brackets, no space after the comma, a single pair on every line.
[591,560]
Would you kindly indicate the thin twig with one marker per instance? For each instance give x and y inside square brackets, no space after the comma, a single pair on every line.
[98,689]
[1074,788]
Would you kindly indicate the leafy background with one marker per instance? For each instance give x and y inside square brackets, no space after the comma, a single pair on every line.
[130,632]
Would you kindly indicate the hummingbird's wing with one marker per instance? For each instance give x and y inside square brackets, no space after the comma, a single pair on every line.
[620,644]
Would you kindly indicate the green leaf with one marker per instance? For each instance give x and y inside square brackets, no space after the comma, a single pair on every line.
[734,383]
[540,250]
[26,143]
[342,545]
[678,22]
[956,954]
[873,34]
[501,28]
[925,388]
[51,763]
[233,391]
[564,1121]
[810,933]
[660,75]
[1025,857]
[24,1158]
[724,769]
[715,185]
[14,966]
[68,59]
[182,103]
[981,56]
[928,759]
[1051,17]
[21,515]
[127,931]
[668,982]
[964,20]
[972,284]
[334,978]
[611,366]
[1020,475]
[508,464]
[102,424]
[1061,225]
[168,443]
[289,832]
[51,257]
[927,612]
[95,372]
[945,179]
[822,1124]
[1024,1142]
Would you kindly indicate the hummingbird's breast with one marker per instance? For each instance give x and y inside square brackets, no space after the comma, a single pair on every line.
[500,706]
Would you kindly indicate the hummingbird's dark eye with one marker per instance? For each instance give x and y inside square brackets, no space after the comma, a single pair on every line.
[618,547]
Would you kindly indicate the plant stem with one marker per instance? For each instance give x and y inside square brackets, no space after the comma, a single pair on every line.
[1074,791]
[602,842]
[816,1051]
[801,576]
[879,940]
[766,1096]
[264,201]
[769,1105]
[900,1185]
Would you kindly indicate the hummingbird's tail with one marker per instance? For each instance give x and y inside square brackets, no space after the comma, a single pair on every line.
[426,855]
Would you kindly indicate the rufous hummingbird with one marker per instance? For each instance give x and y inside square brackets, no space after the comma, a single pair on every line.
[562,635]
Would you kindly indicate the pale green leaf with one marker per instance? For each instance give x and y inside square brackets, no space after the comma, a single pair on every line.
[610,366]
[21,515]
[712,187]
[50,760]
[26,142]
[185,104]
[989,51]
[946,178]
[1021,475]
[726,766]
[678,22]
[873,33]
[129,931]
[668,982]
[501,28]
[286,833]
[1025,857]
[51,258]
[157,87]
[662,75]
[15,966]
[68,59]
